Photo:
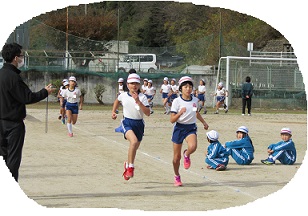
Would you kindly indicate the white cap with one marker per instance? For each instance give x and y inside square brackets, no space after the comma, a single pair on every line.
[120,80]
[242,129]
[166,79]
[65,83]
[173,79]
[145,79]
[150,81]
[221,84]
[65,80]
[72,78]
[133,78]
[286,130]
[212,135]
[184,79]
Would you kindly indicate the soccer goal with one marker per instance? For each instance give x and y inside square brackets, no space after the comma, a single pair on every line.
[271,77]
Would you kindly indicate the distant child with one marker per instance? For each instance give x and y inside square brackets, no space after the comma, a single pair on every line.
[241,150]
[60,98]
[73,104]
[164,90]
[216,156]
[135,104]
[201,95]
[121,86]
[184,115]
[150,92]
[284,151]
[221,94]
[145,85]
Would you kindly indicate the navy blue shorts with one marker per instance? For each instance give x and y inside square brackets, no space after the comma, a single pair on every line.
[220,98]
[137,126]
[181,131]
[201,97]
[150,97]
[64,103]
[164,95]
[73,107]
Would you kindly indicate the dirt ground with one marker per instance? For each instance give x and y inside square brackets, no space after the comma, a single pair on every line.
[86,170]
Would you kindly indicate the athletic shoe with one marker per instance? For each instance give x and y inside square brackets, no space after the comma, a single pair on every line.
[117,111]
[177,181]
[205,111]
[63,120]
[128,172]
[220,167]
[249,114]
[216,112]
[226,110]
[60,116]
[151,112]
[243,114]
[268,161]
[209,167]
[186,160]
[70,134]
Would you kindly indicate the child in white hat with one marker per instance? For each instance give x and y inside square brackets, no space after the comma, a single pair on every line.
[221,94]
[135,105]
[284,150]
[216,156]
[184,115]
[241,150]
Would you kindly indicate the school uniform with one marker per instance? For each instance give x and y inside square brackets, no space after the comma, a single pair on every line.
[220,94]
[216,155]
[186,124]
[165,90]
[72,97]
[201,88]
[241,150]
[133,115]
[285,152]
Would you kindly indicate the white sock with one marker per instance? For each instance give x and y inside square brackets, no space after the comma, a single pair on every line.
[130,165]
[70,127]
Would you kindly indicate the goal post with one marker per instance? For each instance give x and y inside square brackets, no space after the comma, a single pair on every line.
[269,75]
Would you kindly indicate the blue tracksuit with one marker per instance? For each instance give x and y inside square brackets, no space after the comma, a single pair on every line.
[285,152]
[216,154]
[241,150]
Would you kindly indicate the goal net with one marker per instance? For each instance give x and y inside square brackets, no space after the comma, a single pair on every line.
[272,78]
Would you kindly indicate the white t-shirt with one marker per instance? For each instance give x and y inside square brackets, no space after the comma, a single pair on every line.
[130,108]
[61,91]
[121,89]
[143,87]
[174,88]
[221,92]
[201,88]
[72,96]
[188,117]
[165,88]
[150,91]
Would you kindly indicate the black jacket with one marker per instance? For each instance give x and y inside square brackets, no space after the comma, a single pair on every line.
[15,94]
[247,89]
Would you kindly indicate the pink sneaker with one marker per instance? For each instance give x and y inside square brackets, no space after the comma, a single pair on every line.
[221,167]
[70,134]
[177,181]
[186,160]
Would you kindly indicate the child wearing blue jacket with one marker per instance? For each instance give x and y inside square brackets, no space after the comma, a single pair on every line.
[241,150]
[284,151]
[216,156]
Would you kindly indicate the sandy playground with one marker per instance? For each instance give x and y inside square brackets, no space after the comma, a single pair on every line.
[86,170]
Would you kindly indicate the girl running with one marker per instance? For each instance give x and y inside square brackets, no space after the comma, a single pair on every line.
[164,90]
[184,114]
[150,92]
[135,104]
[60,98]
[201,95]
[74,98]
[221,94]
[241,150]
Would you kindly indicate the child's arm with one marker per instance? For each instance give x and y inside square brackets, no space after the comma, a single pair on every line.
[116,104]
[201,119]
[175,116]
[80,102]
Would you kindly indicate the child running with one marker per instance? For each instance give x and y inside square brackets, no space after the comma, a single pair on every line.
[184,114]
[284,150]
[221,94]
[241,150]
[60,98]
[150,92]
[201,95]
[164,90]
[216,156]
[74,97]
[135,104]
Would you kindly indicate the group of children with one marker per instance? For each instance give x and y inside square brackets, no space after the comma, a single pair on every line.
[71,102]
[184,113]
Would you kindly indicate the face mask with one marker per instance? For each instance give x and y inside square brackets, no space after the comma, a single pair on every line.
[20,64]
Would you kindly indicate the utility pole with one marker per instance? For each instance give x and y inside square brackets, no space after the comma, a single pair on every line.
[66,41]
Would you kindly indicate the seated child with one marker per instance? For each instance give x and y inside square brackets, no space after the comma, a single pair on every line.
[284,151]
[241,150]
[216,155]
